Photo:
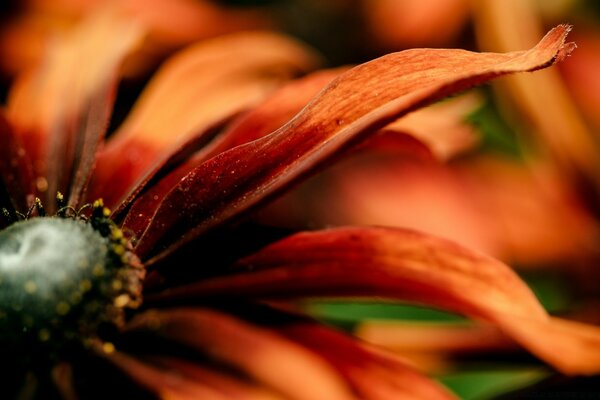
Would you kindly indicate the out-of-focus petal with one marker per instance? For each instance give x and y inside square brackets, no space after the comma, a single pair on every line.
[581,75]
[442,126]
[433,337]
[163,383]
[258,353]
[60,109]
[170,23]
[195,89]
[175,23]
[537,218]
[278,108]
[228,385]
[571,347]
[424,196]
[24,38]
[372,374]
[542,100]
[355,105]
[15,168]
[404,24]
[395,263]
[62,376]
[431,346]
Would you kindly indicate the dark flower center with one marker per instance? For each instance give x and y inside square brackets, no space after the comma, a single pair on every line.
[62,281]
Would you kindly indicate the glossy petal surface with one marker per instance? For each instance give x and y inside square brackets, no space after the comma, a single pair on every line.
[204,84]
[355,105]
[401,264]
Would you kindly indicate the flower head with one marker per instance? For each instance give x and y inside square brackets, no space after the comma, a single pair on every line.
[175,293]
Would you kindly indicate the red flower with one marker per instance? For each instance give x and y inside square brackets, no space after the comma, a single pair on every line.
[217,316]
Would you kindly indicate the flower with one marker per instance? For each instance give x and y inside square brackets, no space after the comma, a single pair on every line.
[175,294]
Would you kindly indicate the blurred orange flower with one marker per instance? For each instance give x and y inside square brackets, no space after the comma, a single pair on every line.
[170,24]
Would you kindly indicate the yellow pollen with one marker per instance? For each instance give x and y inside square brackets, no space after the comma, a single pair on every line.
[63,308]
[116,234]
[85,285]
[117,284]
[118,249]
[122,300]
[98,270]
[30,287]
[108,348]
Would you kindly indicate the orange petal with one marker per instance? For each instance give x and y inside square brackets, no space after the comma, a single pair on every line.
[198,87]
[272,360]
[171,24]
[401,264]
[163,383]
[537,218]
[432,346]
[442,126]
[229,385]
[425,196]
[270,114]
[351,108]
[580,74]
[388,262]
[433,337]
[62,377]
[177,22]
[542,100]
[60,109]
[372,374]
[401,24]
[571,347]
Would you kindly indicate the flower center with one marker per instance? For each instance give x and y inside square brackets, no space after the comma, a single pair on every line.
[62,281]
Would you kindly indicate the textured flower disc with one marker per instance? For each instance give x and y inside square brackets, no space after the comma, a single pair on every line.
[62,280]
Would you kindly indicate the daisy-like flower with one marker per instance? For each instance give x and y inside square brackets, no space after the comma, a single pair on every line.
[174,294]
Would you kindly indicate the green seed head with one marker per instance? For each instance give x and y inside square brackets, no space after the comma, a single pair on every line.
[61,281]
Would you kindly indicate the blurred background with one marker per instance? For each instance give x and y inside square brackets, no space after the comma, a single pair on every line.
[511,169]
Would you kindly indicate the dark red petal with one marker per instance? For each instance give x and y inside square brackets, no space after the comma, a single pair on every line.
[163,383]
[15,168]
[271,114]
[198,87]
[61,109]
[353,106]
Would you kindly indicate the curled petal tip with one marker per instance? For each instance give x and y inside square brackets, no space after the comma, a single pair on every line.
[566,50]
